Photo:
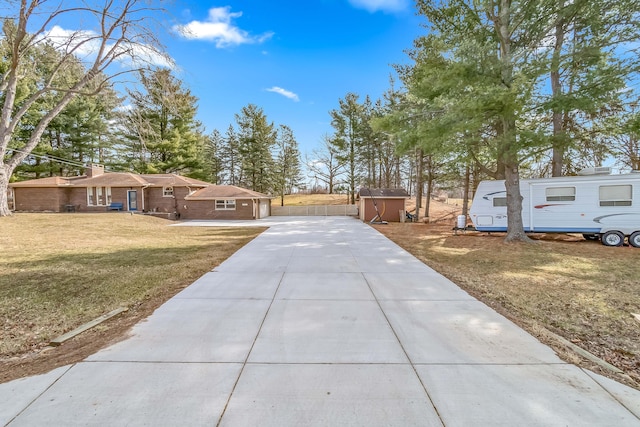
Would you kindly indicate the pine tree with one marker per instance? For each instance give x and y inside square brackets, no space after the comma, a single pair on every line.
[287,164]
[256,137]
[164,135]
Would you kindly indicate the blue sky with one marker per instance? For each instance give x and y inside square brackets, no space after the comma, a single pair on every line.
[293,59]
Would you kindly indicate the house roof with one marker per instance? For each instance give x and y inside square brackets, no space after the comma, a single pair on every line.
[213,192]
[114,179]
[383,193]
[175,180]
[52,181]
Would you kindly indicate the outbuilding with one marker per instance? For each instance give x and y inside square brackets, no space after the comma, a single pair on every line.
[226,202]
[388,203]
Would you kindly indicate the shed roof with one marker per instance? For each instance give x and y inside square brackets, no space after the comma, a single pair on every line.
[384,193]
[213,192]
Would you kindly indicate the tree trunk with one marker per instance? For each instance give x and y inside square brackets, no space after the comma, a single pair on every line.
[419,182]
[4,188]
[515,227]
[465,196]
[556,91]
[427,202]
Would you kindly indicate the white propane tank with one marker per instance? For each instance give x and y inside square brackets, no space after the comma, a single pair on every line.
[462,221]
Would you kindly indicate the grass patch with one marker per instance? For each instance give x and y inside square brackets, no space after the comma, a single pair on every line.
[313,199]
[579,289]
[58,271]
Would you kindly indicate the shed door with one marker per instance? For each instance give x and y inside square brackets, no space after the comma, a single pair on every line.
[264,208]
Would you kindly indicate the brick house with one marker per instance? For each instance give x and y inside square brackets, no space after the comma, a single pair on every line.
[226,202]
[160,194]
[390,202]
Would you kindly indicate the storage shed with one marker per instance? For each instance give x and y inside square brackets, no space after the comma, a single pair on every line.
[391,202]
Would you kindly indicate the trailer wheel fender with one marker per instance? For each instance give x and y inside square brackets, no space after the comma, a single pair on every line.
[613,238]
[634,239]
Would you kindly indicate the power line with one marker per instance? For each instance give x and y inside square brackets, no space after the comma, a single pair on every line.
[52,158]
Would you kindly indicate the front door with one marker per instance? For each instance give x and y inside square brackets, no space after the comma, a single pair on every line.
[132,196]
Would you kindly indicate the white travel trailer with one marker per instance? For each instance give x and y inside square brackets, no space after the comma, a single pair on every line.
[593,204]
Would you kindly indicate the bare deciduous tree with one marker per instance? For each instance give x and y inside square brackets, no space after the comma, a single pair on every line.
[120,31]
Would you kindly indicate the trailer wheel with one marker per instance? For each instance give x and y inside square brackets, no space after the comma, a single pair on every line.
[613,238]
[634,239]
[591,236]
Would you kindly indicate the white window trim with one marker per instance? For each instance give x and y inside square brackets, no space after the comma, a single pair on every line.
[228,204]
[98,196]
[166,192]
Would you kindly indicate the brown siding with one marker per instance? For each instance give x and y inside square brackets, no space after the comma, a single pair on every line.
[78,198]
[206,209]
[155,202]
[389,209]
[40,199]
[119,195]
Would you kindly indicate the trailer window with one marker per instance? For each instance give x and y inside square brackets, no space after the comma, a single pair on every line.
[560,194]
[615,195]
[499,201]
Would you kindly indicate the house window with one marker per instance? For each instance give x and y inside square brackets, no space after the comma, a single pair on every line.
[98,196]
[560,194]
[499,201]
[225,205]
[615,195]
[167,191]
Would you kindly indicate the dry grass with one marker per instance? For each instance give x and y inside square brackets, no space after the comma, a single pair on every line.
[313,199]
[578,289]
[58,271]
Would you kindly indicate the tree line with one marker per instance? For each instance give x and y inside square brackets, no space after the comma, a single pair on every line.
[157,132]
[495,89]
[503,88]
[60,109]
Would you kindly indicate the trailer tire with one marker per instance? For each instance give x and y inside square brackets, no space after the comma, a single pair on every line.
[613,238]
[634,239]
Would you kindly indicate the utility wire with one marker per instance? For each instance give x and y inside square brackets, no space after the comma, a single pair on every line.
[54,159]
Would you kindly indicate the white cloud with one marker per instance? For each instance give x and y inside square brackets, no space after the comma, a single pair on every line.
[383,5]
[284,93]
[85,45]
[219,29]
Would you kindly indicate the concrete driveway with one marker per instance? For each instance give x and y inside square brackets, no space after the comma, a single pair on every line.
[322,321]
